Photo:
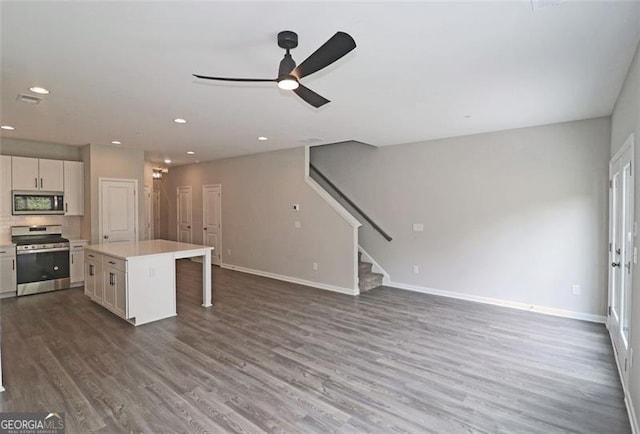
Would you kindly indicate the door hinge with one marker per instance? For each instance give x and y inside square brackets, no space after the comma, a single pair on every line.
[610,183]
[625,364]
[610,247]
[609,311]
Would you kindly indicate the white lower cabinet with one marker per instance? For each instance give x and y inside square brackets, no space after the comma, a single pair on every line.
[8,282]
[106,282]
[76,262]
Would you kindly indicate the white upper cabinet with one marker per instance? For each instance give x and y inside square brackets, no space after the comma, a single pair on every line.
[73,188]
[51,175]
[5,185]
[37,174]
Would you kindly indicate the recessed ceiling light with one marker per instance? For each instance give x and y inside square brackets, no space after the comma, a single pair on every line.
[167,161]
[190,153]
[7,127]
[40,90]
[179,121]
[262,138]
[467,116]
[115,142]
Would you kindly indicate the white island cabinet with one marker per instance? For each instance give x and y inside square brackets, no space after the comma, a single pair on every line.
[136,280]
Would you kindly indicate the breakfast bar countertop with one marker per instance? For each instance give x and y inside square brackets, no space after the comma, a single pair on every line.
[131,249]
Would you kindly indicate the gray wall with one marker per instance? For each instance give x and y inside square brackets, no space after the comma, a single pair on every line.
[258,193]
[110,162]
[624,121]
[517,215]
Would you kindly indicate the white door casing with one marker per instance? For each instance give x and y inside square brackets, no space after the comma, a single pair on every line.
[156,214]
[148,213]
[621,252]
[184,214]
[212,220]
[117,209]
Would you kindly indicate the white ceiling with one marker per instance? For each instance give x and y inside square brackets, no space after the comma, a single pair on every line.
[122,71]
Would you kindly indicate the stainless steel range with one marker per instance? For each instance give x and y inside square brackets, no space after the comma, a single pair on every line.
[42,258]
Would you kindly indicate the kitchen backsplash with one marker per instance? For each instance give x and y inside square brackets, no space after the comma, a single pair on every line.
[71,226]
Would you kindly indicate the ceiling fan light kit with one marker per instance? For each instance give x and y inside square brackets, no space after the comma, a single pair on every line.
[289,75]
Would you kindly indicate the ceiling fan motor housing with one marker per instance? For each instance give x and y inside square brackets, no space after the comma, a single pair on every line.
[287,39]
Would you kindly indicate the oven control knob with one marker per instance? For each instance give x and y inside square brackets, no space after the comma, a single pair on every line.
[56,268]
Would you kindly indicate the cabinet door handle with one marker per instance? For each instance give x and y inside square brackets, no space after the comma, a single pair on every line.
[40,182]
[13,264]
[4,251]
[91,256]
[91,270]
[36,180]
[112,263]
[66,207]
[72,258]
[111,279]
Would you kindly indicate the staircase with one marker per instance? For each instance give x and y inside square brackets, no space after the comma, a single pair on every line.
[367,279]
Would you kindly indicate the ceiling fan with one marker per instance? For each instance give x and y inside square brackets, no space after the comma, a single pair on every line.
[289,74]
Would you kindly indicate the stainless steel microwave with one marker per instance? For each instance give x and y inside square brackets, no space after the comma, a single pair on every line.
[37,202]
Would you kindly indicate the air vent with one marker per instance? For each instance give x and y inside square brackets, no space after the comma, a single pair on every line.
[28,99]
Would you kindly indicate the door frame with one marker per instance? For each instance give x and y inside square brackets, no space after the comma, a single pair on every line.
[628,145]
[178,212]
[148,209]
[219,188]
[101,180]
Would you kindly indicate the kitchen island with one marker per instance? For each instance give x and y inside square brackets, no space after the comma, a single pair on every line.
[136,280]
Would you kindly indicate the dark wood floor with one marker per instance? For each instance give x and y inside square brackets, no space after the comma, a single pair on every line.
[278,357]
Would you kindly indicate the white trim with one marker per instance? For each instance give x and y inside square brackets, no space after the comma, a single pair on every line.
[326,196]
[633,420]
[376,268]
[505,303]
[290,279]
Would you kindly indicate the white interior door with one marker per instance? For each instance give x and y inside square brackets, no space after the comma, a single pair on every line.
[148,213]
[117,213]
[212,220]
[156,214]
[621,252]
[184,214]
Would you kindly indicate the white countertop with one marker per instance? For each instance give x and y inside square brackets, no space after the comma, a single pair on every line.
[132,249]
[6,243]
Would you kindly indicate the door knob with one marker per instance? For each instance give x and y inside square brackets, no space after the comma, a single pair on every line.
[204,229]
[106,237]
[615,264]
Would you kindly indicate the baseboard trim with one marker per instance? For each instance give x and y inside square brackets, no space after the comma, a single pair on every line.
[631,412]
[504,303]
[635,428]
[291,279]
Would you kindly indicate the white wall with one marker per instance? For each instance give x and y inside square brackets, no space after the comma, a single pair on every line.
[518,215]
[624,121]
[258,193]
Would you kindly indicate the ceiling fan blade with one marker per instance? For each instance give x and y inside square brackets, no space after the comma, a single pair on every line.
[336,47]
[310,96]
[249,80]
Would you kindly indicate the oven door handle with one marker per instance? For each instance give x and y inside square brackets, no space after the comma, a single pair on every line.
[29,252]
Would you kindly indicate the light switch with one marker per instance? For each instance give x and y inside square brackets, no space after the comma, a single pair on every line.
[297,224]
[418,227]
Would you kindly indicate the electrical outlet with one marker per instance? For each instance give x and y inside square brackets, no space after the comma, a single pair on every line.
[228,252]
[416,269]
[315,266]
[297,224]
[575,289]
